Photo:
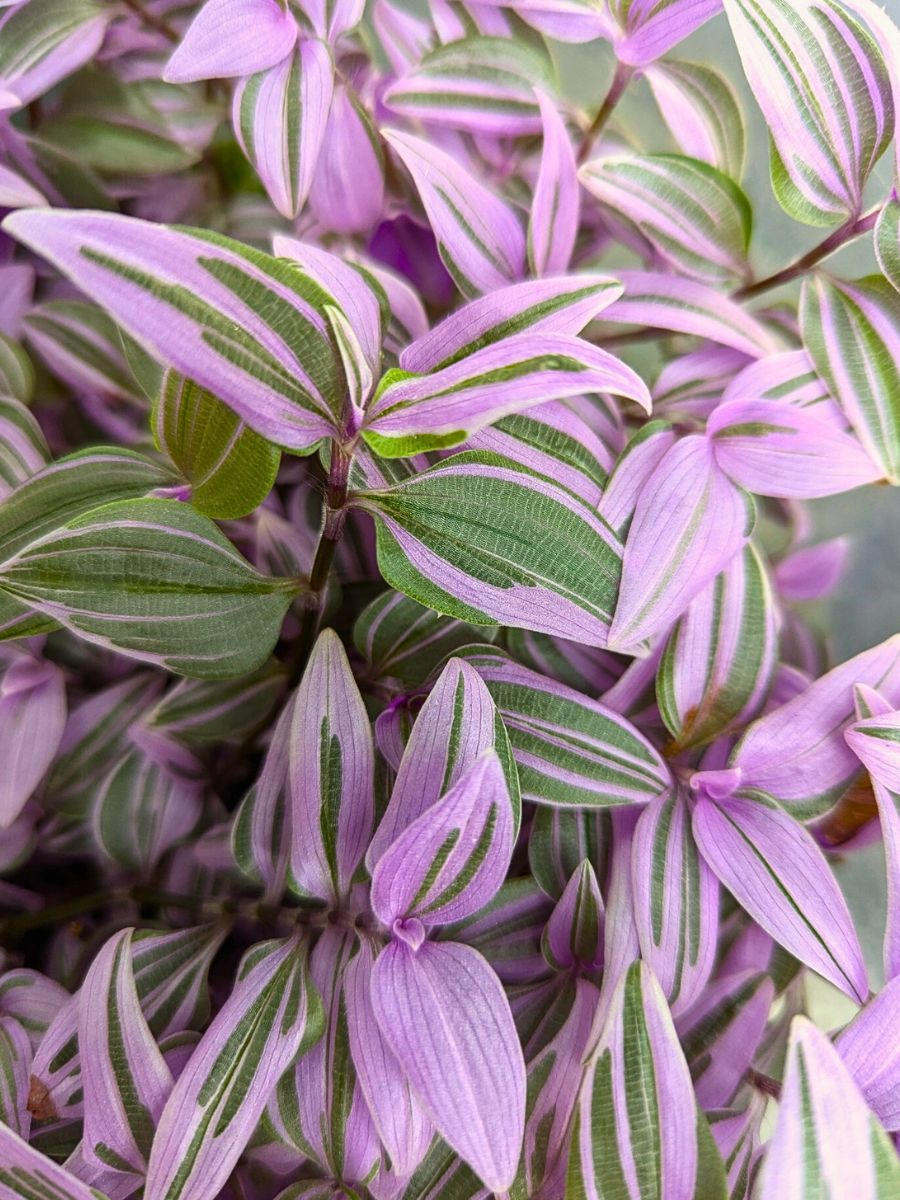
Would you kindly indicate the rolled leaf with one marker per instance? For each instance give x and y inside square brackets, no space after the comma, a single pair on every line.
[452,859]
[280,116]
[573,937]
[823,87]
[125,1078]
[157,581]
[695,217]
[230,468]
[262,833]
[23,450]
[571,750]
[553,222]
[331,774]
[690,521]
[718,663]
[193,300]
[546,563]
[703,113]
[456,726]
[445,1016]
[825,1138]
[270,1016]
[777,873]
[484,85]
[676,902]
[851,331]
[560,304]
[347,191]
[797,753]
[410,415]
[636,1131]
[478,235]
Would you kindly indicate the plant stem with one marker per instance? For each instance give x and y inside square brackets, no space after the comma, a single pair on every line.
[159,24]
[620,82]
[332,531]
[764,1083]
[78,906]
[845,233]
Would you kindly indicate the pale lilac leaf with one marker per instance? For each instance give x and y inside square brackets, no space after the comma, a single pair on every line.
[774,869]
[573,937]
[812,572]
[347,191]
[650,28]
[43,41]
[445,1016]
[233,37]
[634,469]
[689,522]
[870,1052]
[32,719]
[701,109]
[553,220]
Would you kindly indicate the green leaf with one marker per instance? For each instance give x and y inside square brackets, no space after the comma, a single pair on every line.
[16,371]
[157,581]
[231,468]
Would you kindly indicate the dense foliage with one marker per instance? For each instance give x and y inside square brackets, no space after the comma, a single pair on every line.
[419,779]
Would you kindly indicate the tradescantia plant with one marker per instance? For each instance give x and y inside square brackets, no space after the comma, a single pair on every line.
[420,777]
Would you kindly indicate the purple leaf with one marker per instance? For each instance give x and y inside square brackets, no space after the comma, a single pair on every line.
[773,448]
[825,1139]
[32,720]
[43,42]
[126,1081]
[280,116]
[442,409]
[507,931]
[191,299]
[797,752]
[271,1014]
[444,1014]
[331,19]
[812,572]
[686,306]
[777,873]
[15,1076]
[634,469]
[650,28]
[456,725]
[26,1172]
[452,859]
[869,1050]
[233,37]
[402,1126]
[562,304]
[553,221]
[676,902]
[875,739]
[690,520]
[347,192]
[479,236]
[573,937]
[331,774]
[717,667]
[636,1134]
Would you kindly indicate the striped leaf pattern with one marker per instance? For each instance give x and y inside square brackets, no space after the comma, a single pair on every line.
[457,724]
[170,973]
[193,299]
[16,371]
[635,1135]
[46,40]
[826,1141]
[851,331]
[690,521]
[409,415]
[571,750]
[401,639]
[331,766]
[272,1014]
[479,236]
[261,835]
[777,873]
[558,304]
[507,931]
[157,581]
[676,902]
[561,839]
[229,467]
[887,240]
[15,1073]
[652,27]
[573,936]
[688,306]
[483,85]
[553,221]
[546,563]
[201,711]
[702,111]
[823,87]
[23,449]
[27,1174]
[717,666]
[280,116]
[452,859]
[695,217]
[125,1078]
